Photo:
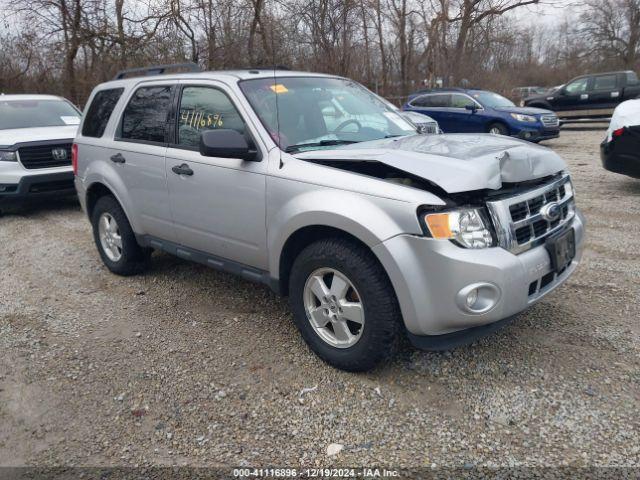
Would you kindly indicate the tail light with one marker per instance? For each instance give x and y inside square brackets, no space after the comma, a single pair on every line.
[618,132]
[74,158]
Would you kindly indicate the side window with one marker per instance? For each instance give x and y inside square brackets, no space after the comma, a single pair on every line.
[100,111]
[577,86]
[435,101]
[205,108]
[632,78]
[461,101]
[605,82]
[145,117]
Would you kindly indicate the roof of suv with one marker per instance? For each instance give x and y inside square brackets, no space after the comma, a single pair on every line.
[237,75]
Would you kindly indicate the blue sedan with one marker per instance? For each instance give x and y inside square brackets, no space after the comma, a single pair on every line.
[464,111]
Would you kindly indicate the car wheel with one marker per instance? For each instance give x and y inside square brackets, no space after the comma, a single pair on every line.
[344,304]
[498,129]
[115,239]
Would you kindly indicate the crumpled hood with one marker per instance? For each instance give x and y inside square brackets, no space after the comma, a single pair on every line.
[454,162]
[8,138]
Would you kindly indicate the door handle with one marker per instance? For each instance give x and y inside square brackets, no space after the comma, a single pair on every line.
[117,158]
[182,169]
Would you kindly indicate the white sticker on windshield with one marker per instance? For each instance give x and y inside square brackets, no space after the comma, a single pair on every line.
[70,120]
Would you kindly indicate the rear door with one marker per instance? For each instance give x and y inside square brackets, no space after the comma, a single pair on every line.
[219,208]
[604,94]
[436,105]
[138,152]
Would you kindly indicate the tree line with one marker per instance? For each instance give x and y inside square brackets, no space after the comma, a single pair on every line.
[66,47]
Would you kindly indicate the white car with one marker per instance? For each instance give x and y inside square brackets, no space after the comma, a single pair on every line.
[620,150]
[36,134]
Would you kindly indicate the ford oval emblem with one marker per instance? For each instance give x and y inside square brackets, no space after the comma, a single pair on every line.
[551,211]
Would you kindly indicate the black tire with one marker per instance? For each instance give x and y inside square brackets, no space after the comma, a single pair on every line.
[380,334]
[501,127]
[134,259]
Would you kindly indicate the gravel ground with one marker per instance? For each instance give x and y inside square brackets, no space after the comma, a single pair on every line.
[188,366]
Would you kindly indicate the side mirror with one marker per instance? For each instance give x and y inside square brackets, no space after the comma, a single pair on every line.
[473,108]
[226,143]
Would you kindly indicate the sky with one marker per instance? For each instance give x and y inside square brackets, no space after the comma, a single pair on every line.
[548,12]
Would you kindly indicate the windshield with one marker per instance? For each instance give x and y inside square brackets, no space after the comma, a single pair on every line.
[492,100]
[318,112]
[37,113]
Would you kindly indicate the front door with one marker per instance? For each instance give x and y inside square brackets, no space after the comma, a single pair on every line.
[573,97]
[218,205]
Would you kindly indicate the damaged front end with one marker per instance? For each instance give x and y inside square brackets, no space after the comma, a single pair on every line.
[483,181]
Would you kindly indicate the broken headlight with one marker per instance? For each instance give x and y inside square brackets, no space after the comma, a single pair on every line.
[466,227]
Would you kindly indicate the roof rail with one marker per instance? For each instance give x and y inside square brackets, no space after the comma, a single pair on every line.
[270,67]
[156,70]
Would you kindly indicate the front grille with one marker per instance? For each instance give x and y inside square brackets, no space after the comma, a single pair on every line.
[524,221]
[550,120]
[430,127]
[45,155]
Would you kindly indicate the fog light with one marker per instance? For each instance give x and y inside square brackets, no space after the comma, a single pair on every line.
[478,298]
[472,297]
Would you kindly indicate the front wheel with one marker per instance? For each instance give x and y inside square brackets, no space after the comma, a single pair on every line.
[344,305]
[498,129]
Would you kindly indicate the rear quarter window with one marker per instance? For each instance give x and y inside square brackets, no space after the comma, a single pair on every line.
[100,111]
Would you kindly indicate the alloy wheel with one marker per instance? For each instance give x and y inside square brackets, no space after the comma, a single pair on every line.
[334,308]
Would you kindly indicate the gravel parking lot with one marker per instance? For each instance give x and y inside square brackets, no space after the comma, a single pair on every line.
[188,366]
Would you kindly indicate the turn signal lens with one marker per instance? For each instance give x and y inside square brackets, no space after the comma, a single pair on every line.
[74,158]
[438,224]
[465,227]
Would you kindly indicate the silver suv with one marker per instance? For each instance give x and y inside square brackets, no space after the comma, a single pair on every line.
[310,184]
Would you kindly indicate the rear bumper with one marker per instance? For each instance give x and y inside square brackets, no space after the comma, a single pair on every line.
[38,186]
[428,276]
[617,159]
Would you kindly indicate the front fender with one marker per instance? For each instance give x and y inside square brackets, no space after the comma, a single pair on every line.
[370,219]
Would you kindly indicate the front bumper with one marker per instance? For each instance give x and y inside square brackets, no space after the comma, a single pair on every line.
[33,186]
[427,275]
[538,134]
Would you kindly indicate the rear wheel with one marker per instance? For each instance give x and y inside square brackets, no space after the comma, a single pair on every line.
[498,129]
[344,304]
[115,239]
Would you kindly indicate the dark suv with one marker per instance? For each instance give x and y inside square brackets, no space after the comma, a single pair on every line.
[589,96]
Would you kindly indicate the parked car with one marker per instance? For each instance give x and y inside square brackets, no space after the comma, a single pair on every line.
[589,96]
[520,93]
[369,228]
[471,111]
[36,132]
[620,150]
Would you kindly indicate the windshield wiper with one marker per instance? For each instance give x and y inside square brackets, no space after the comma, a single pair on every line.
[321,143]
